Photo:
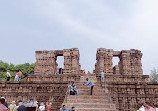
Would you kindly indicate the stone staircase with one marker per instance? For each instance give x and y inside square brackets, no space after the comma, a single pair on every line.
[99,101]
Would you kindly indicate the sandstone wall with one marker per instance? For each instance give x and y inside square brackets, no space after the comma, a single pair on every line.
[130,62]
[71,61]
[46,61]
[127,95]
[40,91]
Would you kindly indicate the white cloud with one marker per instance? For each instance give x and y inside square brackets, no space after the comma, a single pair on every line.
[88,24]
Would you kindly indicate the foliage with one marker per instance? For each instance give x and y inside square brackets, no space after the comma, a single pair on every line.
[154,75]
[25,68]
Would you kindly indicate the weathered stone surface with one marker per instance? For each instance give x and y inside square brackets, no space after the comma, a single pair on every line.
[46,61]
[40,91]
[130,62]
[100,100]
[124,85]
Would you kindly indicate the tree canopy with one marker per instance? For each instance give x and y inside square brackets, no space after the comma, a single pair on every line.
[154,75]
[25,68]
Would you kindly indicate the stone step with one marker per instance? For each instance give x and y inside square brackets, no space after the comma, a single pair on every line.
[88,87]
[87,101]
[88,93]
[87,97]
[90,105]
[94,91]
[94,109]
[83,84]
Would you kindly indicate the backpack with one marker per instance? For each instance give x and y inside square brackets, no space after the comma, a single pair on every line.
[93,81]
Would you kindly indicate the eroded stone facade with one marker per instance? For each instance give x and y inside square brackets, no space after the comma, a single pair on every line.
[46,61]
[125,82]
[130,61]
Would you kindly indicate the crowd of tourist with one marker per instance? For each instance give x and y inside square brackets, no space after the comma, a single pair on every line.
[24,105]
[147,107]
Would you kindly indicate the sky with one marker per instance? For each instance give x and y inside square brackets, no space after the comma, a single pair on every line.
[30,25]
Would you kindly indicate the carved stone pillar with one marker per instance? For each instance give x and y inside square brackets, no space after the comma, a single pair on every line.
[108,55]
[67,61]
[71,61]
[124,63]
[130,62]
[136,65]
[104,61]
[45,62]
[75,61]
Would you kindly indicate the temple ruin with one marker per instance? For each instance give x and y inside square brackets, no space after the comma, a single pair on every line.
[46,61]
[124,86]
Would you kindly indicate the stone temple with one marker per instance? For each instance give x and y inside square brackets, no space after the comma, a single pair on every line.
[124,86]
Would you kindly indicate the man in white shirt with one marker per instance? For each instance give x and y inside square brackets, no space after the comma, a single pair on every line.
[141,107]
[8,75]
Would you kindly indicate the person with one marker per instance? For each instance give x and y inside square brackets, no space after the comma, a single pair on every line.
[12,106]
[102,76]
[20,103]
[22,106]
[63,108]
[90,82]
[8,75]
[16,77]
[49,106]
[83,72]
[26,78]
[73,90]
[2,106]
[4,102]
[60,70]
[19,75]
[156,107]
[31,105]
[42,107]
[141,107]
[148,107]
[72,108]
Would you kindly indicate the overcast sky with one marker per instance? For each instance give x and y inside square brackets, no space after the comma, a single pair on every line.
[30,25]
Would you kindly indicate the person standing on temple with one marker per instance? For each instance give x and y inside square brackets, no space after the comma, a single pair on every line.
[90,82]
[8,75]
[102,76]
[19,75]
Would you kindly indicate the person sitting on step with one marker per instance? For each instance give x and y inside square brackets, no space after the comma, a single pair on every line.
[73,90]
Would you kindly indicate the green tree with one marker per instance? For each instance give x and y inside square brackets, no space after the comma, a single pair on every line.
[25,68]
[154,75]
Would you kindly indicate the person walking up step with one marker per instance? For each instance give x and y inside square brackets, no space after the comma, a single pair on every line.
[90,82]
